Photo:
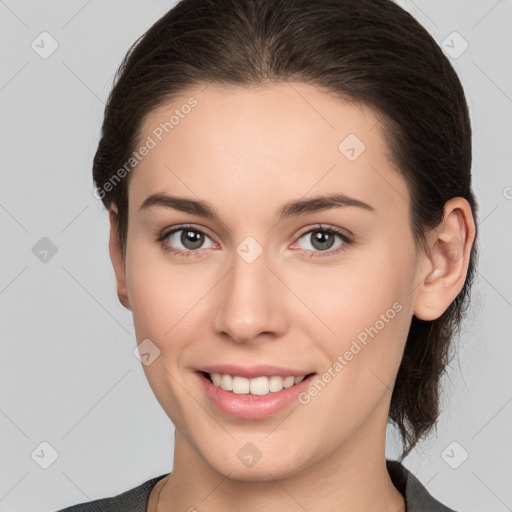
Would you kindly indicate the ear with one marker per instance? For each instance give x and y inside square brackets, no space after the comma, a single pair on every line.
[116,256]
[447,261]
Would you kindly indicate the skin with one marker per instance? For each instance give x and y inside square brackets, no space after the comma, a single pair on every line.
[247,152]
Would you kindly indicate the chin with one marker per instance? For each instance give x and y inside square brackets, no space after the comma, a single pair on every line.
[272,467]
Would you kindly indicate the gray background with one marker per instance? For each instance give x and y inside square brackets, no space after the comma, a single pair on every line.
[68,374]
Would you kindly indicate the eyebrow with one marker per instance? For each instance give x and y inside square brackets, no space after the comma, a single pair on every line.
[290,209]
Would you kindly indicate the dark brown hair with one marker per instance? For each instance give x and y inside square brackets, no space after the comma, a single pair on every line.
[367,51]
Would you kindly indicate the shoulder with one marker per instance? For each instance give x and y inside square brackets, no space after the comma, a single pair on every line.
[133,500]
[417,497]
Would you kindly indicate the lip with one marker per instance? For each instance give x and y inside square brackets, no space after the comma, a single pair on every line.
[251,372]
[252,407]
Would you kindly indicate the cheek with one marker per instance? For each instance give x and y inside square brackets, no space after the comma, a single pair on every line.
[166,298]
[365,295]
[153,292]
[366,309]
[362,357]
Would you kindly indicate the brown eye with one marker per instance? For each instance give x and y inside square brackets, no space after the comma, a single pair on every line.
[191,239]
[186,240]
[323,240]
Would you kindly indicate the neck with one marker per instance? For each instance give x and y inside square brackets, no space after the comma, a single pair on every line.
[352,478]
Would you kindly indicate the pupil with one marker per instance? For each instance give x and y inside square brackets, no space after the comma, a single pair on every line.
[322,240]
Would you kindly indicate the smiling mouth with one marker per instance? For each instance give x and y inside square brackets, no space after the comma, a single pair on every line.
[263,385]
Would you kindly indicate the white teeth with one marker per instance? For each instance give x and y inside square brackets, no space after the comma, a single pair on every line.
[260,386]
[240,385]
[275,383]
[288,381]
[257,386]
[226,382]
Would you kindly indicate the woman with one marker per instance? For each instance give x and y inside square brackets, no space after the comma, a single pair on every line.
[293,228]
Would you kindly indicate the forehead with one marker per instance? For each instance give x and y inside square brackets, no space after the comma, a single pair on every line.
[265,142]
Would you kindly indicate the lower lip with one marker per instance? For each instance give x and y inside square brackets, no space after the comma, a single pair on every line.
[252,407]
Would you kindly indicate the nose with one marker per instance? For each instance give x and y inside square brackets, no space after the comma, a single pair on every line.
[251,302]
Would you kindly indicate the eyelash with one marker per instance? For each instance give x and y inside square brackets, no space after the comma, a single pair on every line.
[347,240]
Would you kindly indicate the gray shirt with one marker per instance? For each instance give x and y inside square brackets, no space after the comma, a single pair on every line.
[416,496]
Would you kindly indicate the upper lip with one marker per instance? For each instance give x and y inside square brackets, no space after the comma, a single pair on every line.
[251,372]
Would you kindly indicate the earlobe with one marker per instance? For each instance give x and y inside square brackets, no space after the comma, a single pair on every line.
[117,258]
[448,259]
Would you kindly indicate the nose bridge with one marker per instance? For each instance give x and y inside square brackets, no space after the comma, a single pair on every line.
[248,305]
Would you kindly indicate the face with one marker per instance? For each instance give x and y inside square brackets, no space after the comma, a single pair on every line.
[236,267]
